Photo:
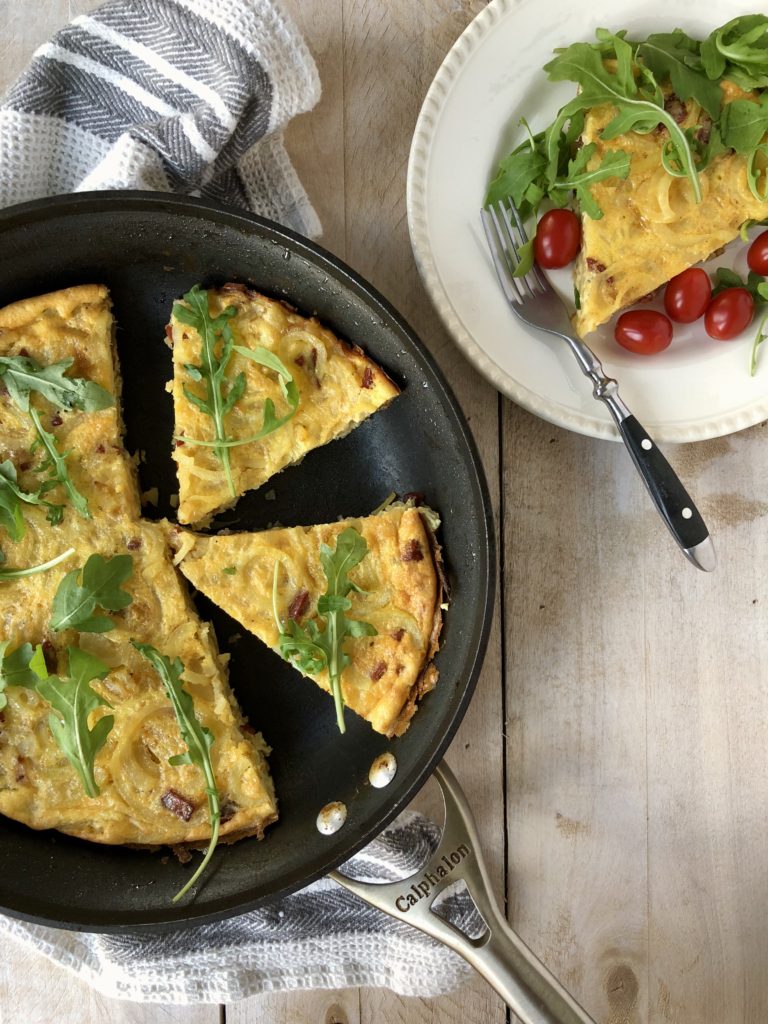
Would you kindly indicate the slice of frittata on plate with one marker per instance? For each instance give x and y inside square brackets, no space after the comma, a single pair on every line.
[652,228]
[255,387]
[271,580]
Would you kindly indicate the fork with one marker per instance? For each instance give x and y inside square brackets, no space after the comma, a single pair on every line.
[535,302]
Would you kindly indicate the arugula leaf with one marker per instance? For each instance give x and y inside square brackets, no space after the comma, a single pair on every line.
[312,650]
[198,738]
[639,102]
[74,700]
[270,422]
[738,51]
[22,374]
[15,668]
[523,168]
[55,466]
[216,343]
[760,337]
[615,164]
[744,123]
[726,278]
[11,498]
[674,57]
[75,603]
[32,570]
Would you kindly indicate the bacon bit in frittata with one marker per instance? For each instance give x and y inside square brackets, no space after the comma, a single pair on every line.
[177,804]
[298,605]
[378,671]
[56,420]
[675,106]
[228,810]
[49,654]
[417,497]
[413,552]
[100,449]
[595,265]
[299,360]
[134,544]
[20,771]
[169,333]
[178,444]
[399,634]
[367,378]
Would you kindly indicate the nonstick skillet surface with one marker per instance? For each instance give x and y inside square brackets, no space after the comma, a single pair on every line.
[149,249]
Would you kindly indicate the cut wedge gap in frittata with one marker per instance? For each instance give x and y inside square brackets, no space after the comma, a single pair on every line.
[250,369]
[398,592]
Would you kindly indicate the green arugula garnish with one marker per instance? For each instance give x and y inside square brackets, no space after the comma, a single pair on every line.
[308,647]
[760,337]
[216,344]
[73,700]
[738,51]
[32,570]
[628,76]
[54,466]
[22,375]
[11,499]
[198,738]
[631,88]
[615,164]
[96,584]
[221,394]
[17,668]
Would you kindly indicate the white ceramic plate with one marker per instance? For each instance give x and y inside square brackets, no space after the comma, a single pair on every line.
[696,389]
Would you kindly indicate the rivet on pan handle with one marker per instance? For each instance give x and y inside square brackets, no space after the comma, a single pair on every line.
[499,954]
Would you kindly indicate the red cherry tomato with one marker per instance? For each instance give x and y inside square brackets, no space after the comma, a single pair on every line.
[558,238]
[757,256]
[643,331]
[687,296]
[729,313]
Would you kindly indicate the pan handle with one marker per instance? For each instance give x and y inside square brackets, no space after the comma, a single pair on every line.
[499,954]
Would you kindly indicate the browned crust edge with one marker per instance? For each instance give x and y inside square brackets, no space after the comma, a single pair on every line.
[427,678]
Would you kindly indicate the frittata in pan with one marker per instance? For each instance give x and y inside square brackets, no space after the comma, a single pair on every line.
[142,798]
[117,722]
[283,585]
[256,387]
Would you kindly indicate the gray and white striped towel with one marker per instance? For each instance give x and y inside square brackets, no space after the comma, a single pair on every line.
[321,937]
[191,96]
[187,96]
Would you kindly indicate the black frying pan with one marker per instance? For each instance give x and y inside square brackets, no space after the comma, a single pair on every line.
[149,249]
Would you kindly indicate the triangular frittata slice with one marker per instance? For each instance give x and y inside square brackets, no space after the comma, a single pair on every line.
[402,593]
[143,799]
[338,387]
[75,323]
[652,228]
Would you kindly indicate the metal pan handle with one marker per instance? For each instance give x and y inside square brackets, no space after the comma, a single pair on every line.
[499,954]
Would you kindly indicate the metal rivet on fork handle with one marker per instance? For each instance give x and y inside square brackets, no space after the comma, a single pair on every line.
[499,954]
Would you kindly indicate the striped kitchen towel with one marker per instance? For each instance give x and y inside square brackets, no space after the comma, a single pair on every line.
[187,96]
[321,937]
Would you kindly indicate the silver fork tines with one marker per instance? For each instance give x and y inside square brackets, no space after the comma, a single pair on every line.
[505,252]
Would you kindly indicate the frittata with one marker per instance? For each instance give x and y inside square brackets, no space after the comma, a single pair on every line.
[338,387]
[652,228]
[401,598]
[143,799]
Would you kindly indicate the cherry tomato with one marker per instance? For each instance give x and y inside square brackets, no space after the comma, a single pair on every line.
[644,331]
[729,313]
[687,296]
[757,256]
[558,238]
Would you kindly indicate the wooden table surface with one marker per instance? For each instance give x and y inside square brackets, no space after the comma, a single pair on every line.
[615,753]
